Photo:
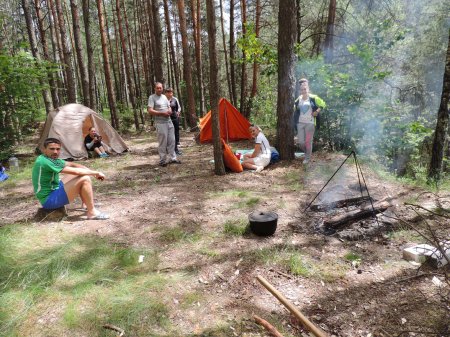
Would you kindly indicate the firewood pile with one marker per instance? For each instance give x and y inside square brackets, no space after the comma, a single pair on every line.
[354,218]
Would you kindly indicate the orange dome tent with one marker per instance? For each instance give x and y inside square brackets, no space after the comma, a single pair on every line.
[233,126]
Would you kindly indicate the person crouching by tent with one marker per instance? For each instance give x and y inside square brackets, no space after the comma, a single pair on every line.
[54,193]
[93,142]
[260,157]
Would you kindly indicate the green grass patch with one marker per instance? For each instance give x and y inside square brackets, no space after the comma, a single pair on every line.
[298,266]
[405,235]
[82,281]
[229,193]
[188,231]
[352,257]
[237,227]
[292,180]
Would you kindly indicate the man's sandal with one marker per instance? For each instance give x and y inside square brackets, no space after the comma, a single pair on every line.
[99,216]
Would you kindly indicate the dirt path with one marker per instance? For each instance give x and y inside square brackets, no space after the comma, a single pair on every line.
[183,211]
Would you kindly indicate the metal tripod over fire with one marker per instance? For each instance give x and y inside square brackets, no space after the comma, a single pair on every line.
[360,177]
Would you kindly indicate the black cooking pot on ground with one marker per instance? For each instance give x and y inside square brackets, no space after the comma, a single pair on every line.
[263,223]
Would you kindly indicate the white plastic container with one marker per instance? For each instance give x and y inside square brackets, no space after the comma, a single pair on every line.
[13,163]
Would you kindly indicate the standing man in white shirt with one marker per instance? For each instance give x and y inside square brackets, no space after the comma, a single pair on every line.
[159,106]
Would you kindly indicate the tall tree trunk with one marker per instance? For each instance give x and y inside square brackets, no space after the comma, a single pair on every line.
[106,67]
[195,9]
[242,107]
[46,53]
[133,60]
[171,47]
[227,70]
[71,90]
[287,34]
[152,44]
[440,134]
[90,56]
[190,116]
[34,51]
[131,91]
[58,51]
[79,52]
[328,43]
[145,48]
[299,27]
[117,64]
[219,167]
[158,57]
[255,63]
[232,48]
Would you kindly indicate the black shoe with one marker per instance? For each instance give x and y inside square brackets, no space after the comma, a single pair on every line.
[162,163]
[175,161]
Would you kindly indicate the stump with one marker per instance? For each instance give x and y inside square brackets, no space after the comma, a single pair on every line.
[50,214]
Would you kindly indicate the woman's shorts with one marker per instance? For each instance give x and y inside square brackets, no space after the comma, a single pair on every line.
[58,198]
[261,161]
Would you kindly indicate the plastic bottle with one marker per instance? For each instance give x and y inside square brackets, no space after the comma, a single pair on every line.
[13,163]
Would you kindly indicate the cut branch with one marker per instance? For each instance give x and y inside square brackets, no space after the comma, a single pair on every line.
[269,327]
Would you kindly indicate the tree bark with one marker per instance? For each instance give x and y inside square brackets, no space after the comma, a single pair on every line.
[242,106]
[171,47]
[219,167]
[158,56]
[227,70]
[35,53]
[46,53]
[195,9]
[232,48]
[116,62]
[287,34]
[255,63]
[90,56]
[127,63]
[71,90]
[328,43]
[58,51]
[106,67]
[441,131]
[190,115]
[78,48]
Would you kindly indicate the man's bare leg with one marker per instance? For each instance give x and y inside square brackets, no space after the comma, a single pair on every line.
[97,150]
[82,186]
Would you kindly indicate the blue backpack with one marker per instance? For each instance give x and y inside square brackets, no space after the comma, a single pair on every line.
[3,175]
[274,156]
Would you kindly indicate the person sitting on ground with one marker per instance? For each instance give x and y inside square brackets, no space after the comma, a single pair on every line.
[260,157]
[54,193]
[93,142]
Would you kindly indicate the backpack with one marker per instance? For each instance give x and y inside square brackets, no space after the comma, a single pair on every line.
[314,107]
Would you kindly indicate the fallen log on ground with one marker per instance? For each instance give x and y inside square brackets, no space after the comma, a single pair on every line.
[341,219]
[305,321]
[269,327]
[339,204]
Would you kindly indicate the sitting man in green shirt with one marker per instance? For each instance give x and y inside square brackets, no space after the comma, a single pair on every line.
[54,193]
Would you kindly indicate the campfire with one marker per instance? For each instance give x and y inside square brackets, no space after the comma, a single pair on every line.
[353,218]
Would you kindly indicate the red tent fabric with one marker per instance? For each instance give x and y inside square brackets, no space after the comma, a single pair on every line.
[233,126]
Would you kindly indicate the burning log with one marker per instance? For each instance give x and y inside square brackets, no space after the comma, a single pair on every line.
[340,220]
[340,204]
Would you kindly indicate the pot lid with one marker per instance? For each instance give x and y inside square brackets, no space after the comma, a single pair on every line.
[259,216]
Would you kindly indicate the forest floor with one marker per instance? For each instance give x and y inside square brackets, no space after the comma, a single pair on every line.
[175,258]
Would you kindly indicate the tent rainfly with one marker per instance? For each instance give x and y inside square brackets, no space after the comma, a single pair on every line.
[233,126]
[71,123]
